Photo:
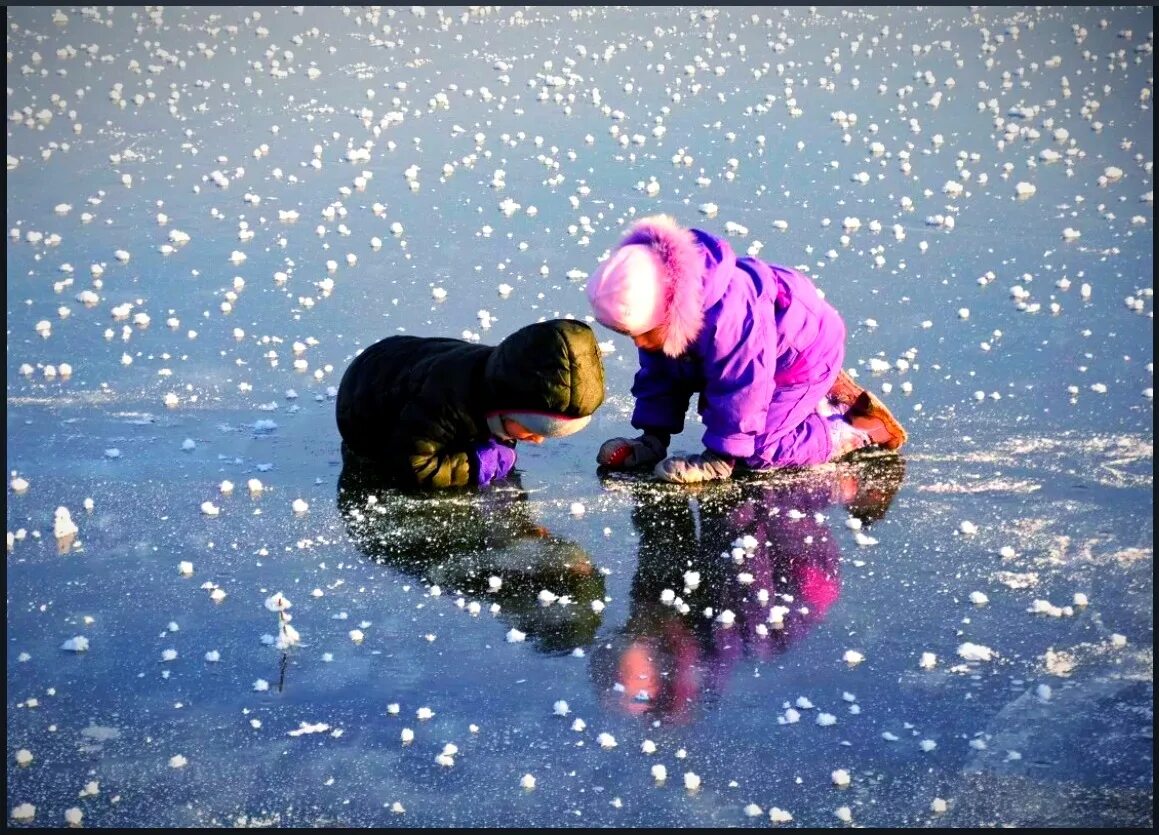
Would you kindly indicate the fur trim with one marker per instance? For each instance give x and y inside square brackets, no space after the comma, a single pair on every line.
[682,265]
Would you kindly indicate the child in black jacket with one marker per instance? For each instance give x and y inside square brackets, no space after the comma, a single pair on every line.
[441,412]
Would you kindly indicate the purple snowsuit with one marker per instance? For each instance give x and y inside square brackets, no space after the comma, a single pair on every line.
[768,351]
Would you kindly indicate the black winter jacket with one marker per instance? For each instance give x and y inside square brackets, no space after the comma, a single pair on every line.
[417,407]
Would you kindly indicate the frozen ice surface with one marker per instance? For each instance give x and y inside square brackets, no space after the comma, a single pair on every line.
[211,210]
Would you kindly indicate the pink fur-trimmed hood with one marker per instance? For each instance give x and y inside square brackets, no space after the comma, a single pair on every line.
[677,299]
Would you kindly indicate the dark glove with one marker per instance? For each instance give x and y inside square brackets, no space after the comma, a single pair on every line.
[492,460]
[629,453]
[693,469]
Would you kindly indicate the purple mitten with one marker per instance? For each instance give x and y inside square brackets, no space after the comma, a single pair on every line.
[493,460]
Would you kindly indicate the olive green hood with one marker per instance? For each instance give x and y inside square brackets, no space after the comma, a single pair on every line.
[553,368]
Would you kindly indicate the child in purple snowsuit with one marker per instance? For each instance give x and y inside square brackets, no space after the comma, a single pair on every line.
[756,341]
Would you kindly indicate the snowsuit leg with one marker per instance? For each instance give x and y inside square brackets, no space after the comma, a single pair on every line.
[796,436]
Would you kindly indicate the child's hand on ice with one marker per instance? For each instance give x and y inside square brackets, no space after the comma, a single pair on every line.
[629,453]
[693,469]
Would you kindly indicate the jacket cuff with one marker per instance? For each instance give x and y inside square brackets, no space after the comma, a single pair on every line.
[738,445]
[656,432]
[656,421]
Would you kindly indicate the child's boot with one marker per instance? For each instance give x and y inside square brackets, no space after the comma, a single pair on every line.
[872,416]
[844,391]
[864,409]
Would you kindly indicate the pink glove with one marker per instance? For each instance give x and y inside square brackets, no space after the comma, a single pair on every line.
[630,453]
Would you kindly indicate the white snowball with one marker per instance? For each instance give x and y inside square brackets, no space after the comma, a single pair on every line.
[78,644]
[975,652]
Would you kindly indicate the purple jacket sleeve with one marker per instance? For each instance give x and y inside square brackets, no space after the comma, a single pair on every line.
[661,397]
[491,461]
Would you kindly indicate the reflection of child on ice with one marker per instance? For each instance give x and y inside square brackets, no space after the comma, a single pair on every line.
[693,615]
[699,604]
[489,548]
[756,341]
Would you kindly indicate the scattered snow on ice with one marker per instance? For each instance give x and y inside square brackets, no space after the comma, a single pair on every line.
[975,652]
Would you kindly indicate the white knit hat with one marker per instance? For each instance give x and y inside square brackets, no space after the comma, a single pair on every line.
[627,290]
[547,424]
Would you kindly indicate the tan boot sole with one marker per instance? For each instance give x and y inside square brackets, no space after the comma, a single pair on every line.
[889,434]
